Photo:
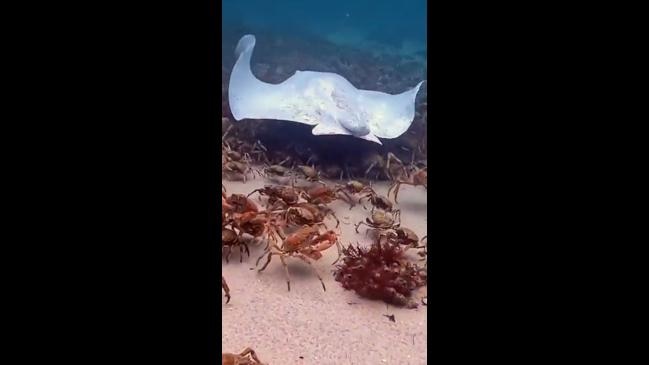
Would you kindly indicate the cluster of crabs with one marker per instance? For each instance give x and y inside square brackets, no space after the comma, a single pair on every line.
[241,159]
[291,224]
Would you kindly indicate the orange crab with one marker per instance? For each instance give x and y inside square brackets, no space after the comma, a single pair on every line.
[226,289]
[241,204]
[419,177]
[323,194]
[307,244]
[279,195]
[245,357]
[307,213]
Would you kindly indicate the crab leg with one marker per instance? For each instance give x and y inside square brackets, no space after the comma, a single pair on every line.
[340,249]
[397,217]
[270,254]
[348,199]
[359,224]
[252,353]
[390,157]
[360,201]
[369,168]
[226,132]
[396,191]
[225,287]
[288,278]
[303,258]
[229,251]
[259,259]
[284,161]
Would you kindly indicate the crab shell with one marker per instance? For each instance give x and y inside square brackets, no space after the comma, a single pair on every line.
[228,236]
[381,217]
[407,235]
[300,215]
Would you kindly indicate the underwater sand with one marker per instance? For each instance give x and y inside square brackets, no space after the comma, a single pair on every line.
[321,327]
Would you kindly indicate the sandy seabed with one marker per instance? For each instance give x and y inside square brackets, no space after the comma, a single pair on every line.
[310,326]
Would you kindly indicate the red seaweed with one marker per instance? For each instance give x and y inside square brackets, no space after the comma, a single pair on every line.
[380,272]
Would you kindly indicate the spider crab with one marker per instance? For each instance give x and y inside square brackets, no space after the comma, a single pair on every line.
[307,244]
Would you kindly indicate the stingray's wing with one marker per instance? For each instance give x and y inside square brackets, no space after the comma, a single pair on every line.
[389,116]
[251,98]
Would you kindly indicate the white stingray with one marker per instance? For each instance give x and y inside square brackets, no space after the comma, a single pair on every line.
[322,99]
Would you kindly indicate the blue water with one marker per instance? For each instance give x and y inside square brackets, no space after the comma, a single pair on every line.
[390,23]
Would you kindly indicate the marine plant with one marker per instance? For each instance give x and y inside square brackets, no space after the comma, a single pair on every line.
[380,272]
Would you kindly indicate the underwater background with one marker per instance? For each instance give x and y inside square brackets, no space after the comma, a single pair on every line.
[376,45]
[354,290]
[358,23]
